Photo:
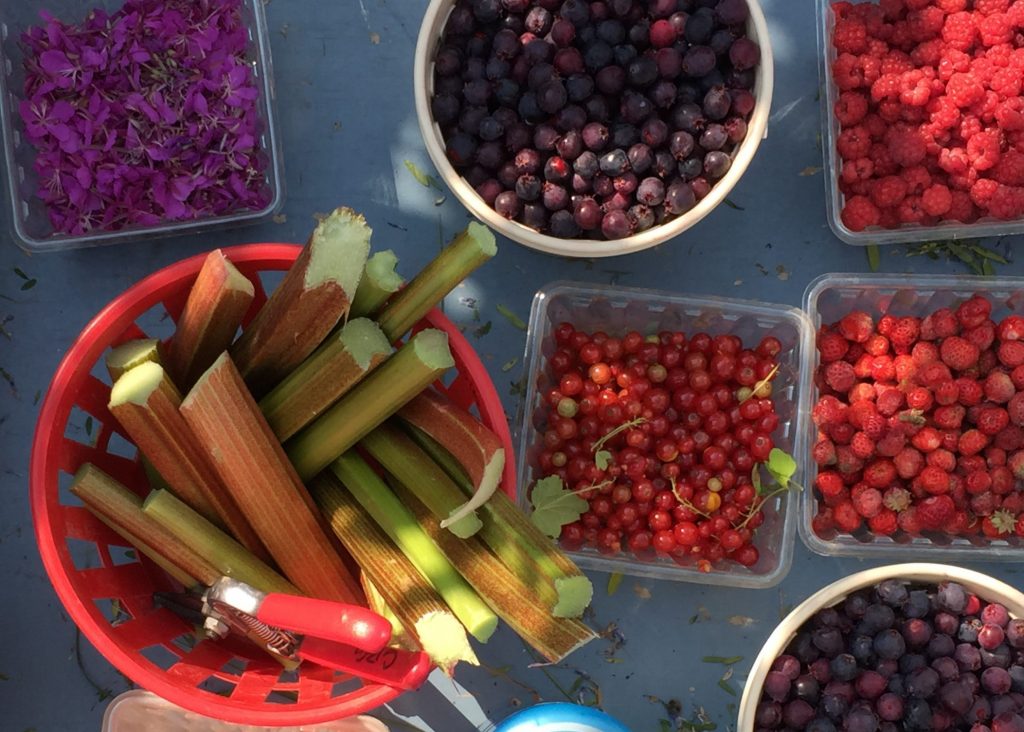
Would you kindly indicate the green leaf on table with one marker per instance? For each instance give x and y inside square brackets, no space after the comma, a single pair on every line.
[482,330]
[509,365]
[665,725]
[874,257]
[727,687]
[602,459]
[29,284]
[88,426]
[554,505]
[511,317]
[614,580]
[724,660]
[781,466]
[731,204]
[424,179]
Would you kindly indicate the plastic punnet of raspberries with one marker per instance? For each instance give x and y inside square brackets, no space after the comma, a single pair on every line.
[929,112]
[920,424]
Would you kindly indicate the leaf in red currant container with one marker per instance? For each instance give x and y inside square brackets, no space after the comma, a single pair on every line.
[781,465]
[554,505]
[602,459]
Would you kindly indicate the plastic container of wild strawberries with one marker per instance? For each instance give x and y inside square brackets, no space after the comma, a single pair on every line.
[826,300]
[618,310]
[107,589]
[830,129]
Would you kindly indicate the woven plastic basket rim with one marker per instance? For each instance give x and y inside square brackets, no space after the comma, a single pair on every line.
[94,339]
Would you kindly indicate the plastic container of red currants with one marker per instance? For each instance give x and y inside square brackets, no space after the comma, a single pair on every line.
[826,300]
[834,198]
[617,311]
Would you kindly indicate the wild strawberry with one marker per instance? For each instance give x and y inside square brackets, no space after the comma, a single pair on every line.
[866,500]
[971,463]
[862,445]
[846,517]
[891,444]
[924,353]
[896,499]
[999,387]
[973,312]
[934,512]
[949,417]
[972,442]
[828,411]
[841,433]
[904,333]
[909,521]
[934,373]
[977,482]
[882,368]
[862,365]
[1002,480]
[1017,376]
[823,524]
[884,523]
[839,376]
[919,398]
[992,420]
[951,440]
[874,426]
[981,335]
[1016,464]
[983,504]
[832,346]
[855,352]
[1018,528]
[1014,503]
[908,462]
[971,392]
[861,392]
[829,483]
[1011,353]
[856,326]
[824,452]
[961,524]
[942,459]
[927,439]
[942,324]
[861,411]
[999,524]
[959,354]
[934,480]
[880,473]
[847,463]
[1011,328]
[906,368]
[947,393]
[889,401]
[1015,408]
[995,456]
[876,345]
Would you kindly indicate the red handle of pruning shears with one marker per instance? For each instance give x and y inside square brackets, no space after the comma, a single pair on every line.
[350,625]
[390,666]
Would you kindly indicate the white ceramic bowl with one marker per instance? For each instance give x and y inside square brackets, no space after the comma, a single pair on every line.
[987,588]
[423,81]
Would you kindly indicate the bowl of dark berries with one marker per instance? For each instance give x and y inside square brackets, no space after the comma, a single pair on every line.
[916,417]
[656,430]
[592,128]
[903,647]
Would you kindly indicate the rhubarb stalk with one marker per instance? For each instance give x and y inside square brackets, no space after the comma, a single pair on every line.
[339,364]
[312,298]
[400,456]
[122,510]
[402,587]
[410,370]
[553,638]
[183,578]
[384,507]
[467,251]
[212,315]
[380,281]
[229,557]
[477,449]
[146,404]
[253,467]
[512,536]
[131,354]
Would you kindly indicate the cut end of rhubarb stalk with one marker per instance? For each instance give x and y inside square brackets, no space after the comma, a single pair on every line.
[341,242]
[381,269]
[431,346]
[574,596]
[444,640]
[488,484]
[233,279]
[483,237]
[364,341]
[136,385]
[131,354]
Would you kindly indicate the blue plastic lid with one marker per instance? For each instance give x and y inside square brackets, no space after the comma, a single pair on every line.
[560,717]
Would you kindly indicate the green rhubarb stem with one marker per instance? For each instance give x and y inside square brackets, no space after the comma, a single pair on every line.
[518,543]
[379,282]
[212,544]
[467,251]
[399,524]
[344,359]
[413,468]
[408,372]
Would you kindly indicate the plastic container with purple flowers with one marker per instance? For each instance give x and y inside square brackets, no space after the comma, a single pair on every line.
[90,163]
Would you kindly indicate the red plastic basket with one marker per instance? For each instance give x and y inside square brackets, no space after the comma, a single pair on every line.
[151,645]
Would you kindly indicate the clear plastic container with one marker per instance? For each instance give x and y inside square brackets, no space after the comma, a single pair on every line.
[828,299]
[834,199]
[618,310]
[30,222]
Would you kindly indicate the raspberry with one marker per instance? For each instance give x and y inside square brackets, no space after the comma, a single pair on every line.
[970,125]
[824,452]
[951,6]
[906,146]
[995,29]
[964,89]
[937,200]
[992,420]
[935,512]
[1010,169]
[982,192]
[1006,83]
[1007,202]
[1016,13]
[847,72]
[887,86]
[853,143]
[918,179]
[862,445]
[850,36]
[928,53]
[846,517]
[988,7]
[856,326]
[839,376]
[999,387]
[974,311]
[832,346]
[954,160]
[926,23]
[1010,114]
[972,442]
[851,108]
[884,523]
[896,63]
[962,208]
[959,31]
[983,149]
[910,211]
[909,462]
[861,169]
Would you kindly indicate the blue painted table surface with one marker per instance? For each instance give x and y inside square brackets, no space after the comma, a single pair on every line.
[344,88]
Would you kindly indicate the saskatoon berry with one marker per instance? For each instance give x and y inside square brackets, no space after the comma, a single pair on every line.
[624,135]
[717,103]
[663,94]
[538,20]
[563,225]
[736,129]
[664,163]
[535,216]
[529,109]
[556,170]
[797,714]
[680,144]
[889,644]
[623,54]
[528,187]
[732,12]
[579,87]
[721,41]
[576,12]
[714,137]
[862,649]
[506,92]
[860,720]
[555,197]
[611,32]
[490,155]
[568,61]
[445,109]
[669,62]
[615,225]
[507,204]
[699,26]
[595,136]
[922,682]
[588,214]
[716,164]
[691,168]
[552,96]
[635,108]
[679,198]
[489,190]
[597,108]
[642,71]
[654,132]
[688,117]
[545,137]
[562,32]
[448,61]
[597,55]
[844,667]
[610,80]
[641,217]
[527,161]
[744,54]
[460,149]
[641,158]
[698,61]
[505,44]
[651,191]
[490,129]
